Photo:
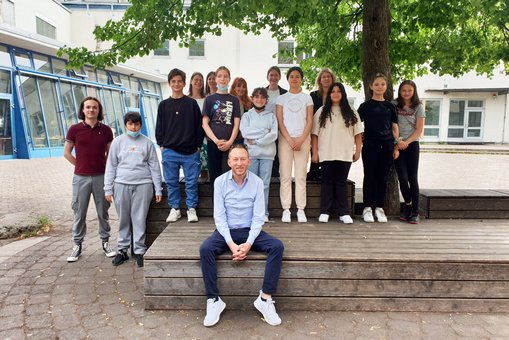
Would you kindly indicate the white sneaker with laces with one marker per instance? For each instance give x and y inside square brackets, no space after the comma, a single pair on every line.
[367,215]
[214,310]
[346,219]
[75,253]
[301,216]
[174,215]
[191,215]
[287,217]
[107,250]
[323,218]
[380,215]
[268,310]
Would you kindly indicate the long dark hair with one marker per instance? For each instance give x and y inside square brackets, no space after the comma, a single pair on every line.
[202,90]
[81,114]
[414,101]
[346,111]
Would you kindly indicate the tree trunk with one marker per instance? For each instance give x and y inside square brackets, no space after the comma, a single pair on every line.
[375,59]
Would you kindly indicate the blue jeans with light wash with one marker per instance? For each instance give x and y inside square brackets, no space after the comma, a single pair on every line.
[263,169]
[191,164]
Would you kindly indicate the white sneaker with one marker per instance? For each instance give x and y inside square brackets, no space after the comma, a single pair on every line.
[346,219]
[301,216]
[214,310]
[367,215]
[191,215]
[324,218]
[266,219]
[268,310]
[380,215]
[287,217]
[174,215]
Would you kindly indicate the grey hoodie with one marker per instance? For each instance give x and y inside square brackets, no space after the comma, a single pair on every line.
[261,127]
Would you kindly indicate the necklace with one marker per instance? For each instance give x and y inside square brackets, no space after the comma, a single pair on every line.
[176,107]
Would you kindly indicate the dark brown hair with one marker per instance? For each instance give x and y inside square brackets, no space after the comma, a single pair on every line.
[81,114]
[414,101]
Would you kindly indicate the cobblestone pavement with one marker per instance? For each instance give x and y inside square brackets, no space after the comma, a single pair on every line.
[44,297]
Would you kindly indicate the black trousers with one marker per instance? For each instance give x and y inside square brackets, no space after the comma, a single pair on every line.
[218,162]
[407,165]
[377,159]
[334,194]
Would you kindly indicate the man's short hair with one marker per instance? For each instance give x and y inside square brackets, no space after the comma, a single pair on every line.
[133,117]
[176,72]
[238,146]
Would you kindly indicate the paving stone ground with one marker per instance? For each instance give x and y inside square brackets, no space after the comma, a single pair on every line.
[44,297]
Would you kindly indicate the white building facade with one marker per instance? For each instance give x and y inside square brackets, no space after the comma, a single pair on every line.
[38,97]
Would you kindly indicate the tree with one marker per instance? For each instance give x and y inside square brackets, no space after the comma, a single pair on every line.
[356,38]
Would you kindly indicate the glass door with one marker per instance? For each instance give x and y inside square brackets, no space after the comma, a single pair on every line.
[5,128]
[474,124]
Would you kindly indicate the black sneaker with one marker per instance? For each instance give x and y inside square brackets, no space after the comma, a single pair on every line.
[75,253]
[414,218]
[139,259]
[406,211]
[120,258]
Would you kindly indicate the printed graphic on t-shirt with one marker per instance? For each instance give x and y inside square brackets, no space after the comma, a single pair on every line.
[295,105]
[222,112]
[405,112]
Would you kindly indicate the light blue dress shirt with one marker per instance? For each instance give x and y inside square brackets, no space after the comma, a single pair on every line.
[239,206]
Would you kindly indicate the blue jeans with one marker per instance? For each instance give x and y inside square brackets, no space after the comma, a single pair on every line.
[191,164]
[263,169]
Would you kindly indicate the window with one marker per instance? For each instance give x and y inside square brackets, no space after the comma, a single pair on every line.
[164,50]
[45,28]
[41,63]
[7,12]
[5,56]
[115,79]
[59,67]
[78,73]
[465,119]
[5,81]
[22,59]
[286,53]
[90,72]
[197,49]
[432,121]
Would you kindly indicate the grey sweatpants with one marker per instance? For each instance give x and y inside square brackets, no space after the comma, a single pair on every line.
[82,188]
[132,203]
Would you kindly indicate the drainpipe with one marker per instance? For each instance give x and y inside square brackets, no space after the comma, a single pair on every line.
[505,119]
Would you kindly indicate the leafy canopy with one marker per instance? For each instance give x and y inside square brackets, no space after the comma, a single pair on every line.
[441,36]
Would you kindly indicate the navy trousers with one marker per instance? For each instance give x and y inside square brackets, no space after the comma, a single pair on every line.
[216,245]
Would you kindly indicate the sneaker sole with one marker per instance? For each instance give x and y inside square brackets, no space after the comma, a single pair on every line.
[73,259]
[112,254]
[264,318]
[218,316]
[192,221]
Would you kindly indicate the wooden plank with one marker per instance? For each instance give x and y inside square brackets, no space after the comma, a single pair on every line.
[338,304]
[337,270]
[502,214]
[469,204]
[463,193]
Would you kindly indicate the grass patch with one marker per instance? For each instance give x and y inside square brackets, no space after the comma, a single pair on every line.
[43,226]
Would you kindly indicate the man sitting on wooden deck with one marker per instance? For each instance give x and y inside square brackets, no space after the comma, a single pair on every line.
[239,212]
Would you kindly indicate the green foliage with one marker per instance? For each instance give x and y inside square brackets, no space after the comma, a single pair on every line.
[441,36]
[43,227]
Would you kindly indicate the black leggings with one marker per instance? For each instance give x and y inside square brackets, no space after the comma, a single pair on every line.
[334,192]
[407,165]
[377,161]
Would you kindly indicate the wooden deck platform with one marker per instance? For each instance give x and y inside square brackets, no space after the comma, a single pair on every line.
[470,203]
[438,265]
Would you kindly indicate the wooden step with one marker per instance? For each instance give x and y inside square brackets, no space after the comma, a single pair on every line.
[434,266]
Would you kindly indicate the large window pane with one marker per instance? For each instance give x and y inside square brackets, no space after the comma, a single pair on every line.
[51,111]
[102,77]
[431,132]
[132,99]
[150,105]
[59,67]
[5,128]
[114,110]
[34,112]
[69,106]
[5,81]
[455,133]
[45,28]
[432,112]
[80,92]
[285,52]
[90,72]
[5,57]
[474,119]
[457,113]
[475,103]
[196,49]
[164,50]
[119,110]
[41,63]
[22,59]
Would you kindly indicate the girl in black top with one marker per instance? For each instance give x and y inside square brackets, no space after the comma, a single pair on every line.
[380,132]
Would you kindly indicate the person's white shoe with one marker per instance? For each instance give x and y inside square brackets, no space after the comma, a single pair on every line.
[266,219]
[191,215]
[174,215]
[301,216]
[268,310]
[323,218]
[367,215]
[214,310]
[346,219]
[287,217]
[380,215]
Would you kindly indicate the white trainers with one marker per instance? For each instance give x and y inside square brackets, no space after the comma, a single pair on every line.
[191,215]
[301,216]
[268,310]
[287,217]
[174,215]
[75,253]
[367,215]
[380,215]
[346,219]
[214,310]
[323,218]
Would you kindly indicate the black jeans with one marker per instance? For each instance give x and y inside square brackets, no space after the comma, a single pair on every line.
[334,192]
[217,161]
[377,160]
[407,165]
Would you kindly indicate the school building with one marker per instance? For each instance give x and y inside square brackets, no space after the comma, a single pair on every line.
[39,96]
